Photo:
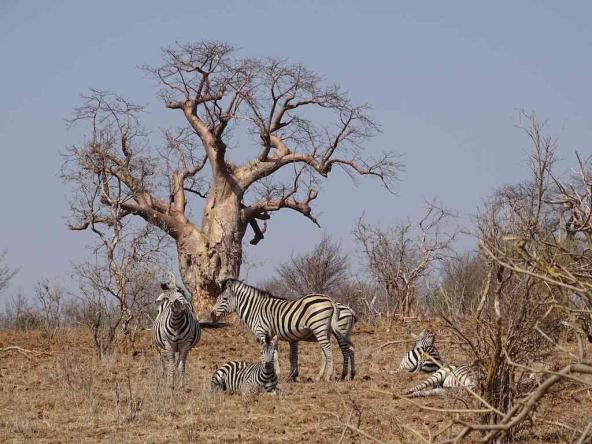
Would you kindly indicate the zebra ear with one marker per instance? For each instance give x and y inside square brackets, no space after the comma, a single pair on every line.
[161,298]
[223,284]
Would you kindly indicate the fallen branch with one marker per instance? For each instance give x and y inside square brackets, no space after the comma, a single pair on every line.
[24,351]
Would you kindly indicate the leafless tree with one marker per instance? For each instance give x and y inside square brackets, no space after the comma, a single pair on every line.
[50,297]
[322,270]
[6,273]
[534,237]
[302,130]
[400,257]
[117,284]
[19,313]
[457,290]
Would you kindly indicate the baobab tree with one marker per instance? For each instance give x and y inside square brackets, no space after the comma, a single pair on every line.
[297,128]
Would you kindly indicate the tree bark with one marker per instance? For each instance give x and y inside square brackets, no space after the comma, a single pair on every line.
[214,253]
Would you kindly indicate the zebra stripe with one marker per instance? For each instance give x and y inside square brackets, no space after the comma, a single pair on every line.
[424,357]
[306,319]
[175,332]
[449,376]
[235,377]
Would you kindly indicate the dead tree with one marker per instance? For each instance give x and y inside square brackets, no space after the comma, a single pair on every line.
[400,257]
[6,273]
[301,130]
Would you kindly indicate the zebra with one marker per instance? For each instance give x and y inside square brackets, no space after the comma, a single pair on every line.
[248,378]
[424,357]
[309,318]
[175,331]
[448,376]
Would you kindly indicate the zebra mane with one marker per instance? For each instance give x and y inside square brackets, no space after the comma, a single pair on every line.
[259,290]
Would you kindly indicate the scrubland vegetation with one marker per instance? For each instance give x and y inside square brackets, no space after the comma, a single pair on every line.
[77,364]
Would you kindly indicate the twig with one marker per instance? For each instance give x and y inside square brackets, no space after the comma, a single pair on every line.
[587,431]
[433,409]
[416,433]
[345,427]
[386,344]
[357,430]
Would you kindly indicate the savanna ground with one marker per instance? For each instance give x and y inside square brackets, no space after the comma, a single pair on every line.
[69,395]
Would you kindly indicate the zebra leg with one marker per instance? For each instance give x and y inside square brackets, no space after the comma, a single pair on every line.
[163,361]
[425,393]
[181,367]
[326,371]
[344,346]
[352,354]
[293,362]
[169,356]
[418,388]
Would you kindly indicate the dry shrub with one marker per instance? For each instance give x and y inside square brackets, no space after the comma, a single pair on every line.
[538,280]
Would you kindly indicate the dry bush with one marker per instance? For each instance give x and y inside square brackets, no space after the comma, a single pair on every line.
[20,314]
[325,269]
[538,280]
[364,297]
[50,297]
[457,291]
[118,287]
[400,258]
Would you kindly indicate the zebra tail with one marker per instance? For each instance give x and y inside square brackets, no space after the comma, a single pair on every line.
[335,321]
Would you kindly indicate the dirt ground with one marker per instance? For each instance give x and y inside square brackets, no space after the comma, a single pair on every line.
[69,395]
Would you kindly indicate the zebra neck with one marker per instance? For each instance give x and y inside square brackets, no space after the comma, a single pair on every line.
[267,370]
[177,319]
[254,308]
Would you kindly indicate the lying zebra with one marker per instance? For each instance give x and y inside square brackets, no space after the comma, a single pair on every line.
[426,358]
[247,378]
[449,376]
[310,318]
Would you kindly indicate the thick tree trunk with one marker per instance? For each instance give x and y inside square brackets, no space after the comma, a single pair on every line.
[214,253]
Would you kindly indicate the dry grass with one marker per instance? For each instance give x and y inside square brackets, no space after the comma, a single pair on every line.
[71,396]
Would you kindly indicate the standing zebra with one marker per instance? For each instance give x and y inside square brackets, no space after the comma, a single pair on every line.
[309,318]
[449,376]
[424,357]
[175,331]
[249,378]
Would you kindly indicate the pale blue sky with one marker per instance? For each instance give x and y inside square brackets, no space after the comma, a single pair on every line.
[445,79]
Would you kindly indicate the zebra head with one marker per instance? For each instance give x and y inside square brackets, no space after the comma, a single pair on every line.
[175,300]
[179,303]
[425,339]
[268,350]
[226,302]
